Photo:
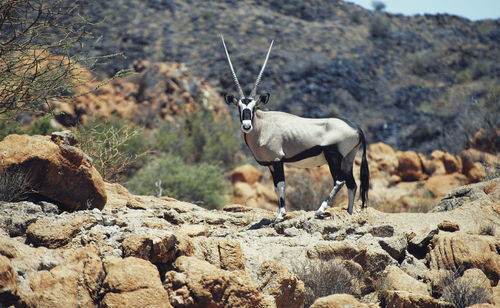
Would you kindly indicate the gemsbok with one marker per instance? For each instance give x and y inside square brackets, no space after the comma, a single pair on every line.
[276,138]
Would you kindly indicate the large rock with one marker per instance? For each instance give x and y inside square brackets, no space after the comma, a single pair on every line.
[339,301]
[197,283]
[132,282]
[246,173]
[397,279]
[409,166]
[372,258]
[55,233]
[457,250]
[440,185]
[223,253]
[157,247]
[277,281]
[472,164]
[58,171]
[76,283]
[398,299]
[384,157]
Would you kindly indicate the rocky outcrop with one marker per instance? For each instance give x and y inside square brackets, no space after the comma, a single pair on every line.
[458,251]
[156,91]
[56,170]
[197,283]
[400,181]
[142,250]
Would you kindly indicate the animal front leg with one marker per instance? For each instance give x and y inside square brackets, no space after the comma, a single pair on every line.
[278,174]
[324,205]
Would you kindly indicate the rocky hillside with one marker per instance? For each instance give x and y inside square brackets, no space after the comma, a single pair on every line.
[79,241]
[411,82]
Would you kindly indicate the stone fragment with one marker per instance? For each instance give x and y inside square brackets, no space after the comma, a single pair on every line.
[395,246]
[417,245]
[396,279]
[449,226]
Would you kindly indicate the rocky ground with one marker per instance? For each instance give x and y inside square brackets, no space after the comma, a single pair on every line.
[143,251]
[138,251]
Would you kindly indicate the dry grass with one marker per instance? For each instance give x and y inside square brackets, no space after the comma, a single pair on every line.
[15,185]
[322,278]
[464,292]
[305,193]
[488,229]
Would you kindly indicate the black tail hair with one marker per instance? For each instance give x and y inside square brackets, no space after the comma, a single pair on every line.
[364,172]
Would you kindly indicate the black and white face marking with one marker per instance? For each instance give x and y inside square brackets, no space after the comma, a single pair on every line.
[247,109]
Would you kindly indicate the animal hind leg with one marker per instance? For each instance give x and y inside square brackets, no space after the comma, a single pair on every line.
[324,205]
[347,164]
[351,190]
[334,159]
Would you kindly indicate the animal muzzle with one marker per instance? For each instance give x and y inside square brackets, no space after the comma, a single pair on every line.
[246,126]
[246,120]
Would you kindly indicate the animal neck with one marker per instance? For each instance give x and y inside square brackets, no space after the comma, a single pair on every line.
[252,138]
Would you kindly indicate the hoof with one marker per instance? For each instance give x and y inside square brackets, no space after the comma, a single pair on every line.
[278,220]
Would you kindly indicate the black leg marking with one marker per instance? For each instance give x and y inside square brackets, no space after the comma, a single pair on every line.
[334,159]
[278,173]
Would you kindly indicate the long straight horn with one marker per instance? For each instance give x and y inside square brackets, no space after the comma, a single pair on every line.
[254,90]
[232,69]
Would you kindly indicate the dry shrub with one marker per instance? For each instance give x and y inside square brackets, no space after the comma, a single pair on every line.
[322,278]
[488,229]
[15,185]
[304,193]
[464,292]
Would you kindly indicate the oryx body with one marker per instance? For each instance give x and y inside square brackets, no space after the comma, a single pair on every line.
[277,138]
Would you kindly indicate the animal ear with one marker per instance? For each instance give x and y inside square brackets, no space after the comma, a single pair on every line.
[264,98]
[229,99]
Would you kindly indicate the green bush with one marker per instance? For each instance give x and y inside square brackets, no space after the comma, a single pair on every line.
[424,62]
[9,126]
[41,126]
[379,27]
[115,146]
[194,183]
[200,137]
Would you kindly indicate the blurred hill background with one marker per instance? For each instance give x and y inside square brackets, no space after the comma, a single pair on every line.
[419,83]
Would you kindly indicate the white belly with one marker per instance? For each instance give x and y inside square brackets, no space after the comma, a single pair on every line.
[310,162]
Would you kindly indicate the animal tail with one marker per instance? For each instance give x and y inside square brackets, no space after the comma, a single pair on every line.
[364,172]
